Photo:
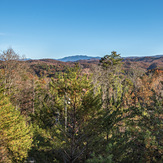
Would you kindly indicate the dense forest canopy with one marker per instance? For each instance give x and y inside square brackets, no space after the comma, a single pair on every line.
[96,111]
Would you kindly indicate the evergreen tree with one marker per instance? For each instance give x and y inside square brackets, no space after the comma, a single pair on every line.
[110,60]
[78,109]
[15,134]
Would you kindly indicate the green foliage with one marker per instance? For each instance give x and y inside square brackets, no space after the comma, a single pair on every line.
[78,108]
[110,60]
[15,134]
[43,143]
[105,158]
[139,141]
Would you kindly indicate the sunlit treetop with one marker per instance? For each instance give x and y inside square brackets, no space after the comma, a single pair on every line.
[110,60]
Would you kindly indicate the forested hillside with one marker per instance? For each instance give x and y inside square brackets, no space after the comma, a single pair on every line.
[96,111]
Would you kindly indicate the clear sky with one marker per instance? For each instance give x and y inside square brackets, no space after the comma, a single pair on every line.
[59,28]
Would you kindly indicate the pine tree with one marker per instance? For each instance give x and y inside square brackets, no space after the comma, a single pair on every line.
[15,134]
[78,109]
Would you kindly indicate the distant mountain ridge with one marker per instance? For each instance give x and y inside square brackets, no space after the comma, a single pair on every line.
[85,57]
[89,58]
[145,59]
[77,58]
[137,57]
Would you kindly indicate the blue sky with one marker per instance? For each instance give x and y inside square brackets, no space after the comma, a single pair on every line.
[59,28]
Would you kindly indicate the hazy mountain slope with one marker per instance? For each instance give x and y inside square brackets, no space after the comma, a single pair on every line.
[77,58]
